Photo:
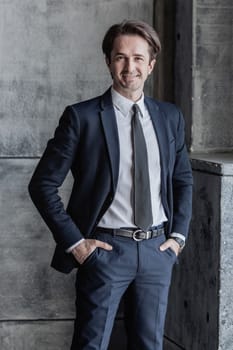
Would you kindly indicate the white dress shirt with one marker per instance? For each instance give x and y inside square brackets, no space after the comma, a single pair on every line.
[120,213]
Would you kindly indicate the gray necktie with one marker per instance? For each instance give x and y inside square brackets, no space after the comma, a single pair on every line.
[141,196]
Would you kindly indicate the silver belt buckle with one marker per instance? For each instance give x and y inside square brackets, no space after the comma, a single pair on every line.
[134,236]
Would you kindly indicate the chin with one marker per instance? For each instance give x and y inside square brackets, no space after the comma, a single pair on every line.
[133,84]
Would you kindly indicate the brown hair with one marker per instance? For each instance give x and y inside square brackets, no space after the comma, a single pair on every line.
[131,27]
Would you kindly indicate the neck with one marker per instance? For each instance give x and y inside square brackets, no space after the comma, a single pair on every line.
[130,95]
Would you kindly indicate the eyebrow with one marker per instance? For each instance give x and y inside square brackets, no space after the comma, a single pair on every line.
[123,54]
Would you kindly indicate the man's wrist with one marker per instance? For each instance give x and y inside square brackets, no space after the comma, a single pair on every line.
[179,238]
[69,250]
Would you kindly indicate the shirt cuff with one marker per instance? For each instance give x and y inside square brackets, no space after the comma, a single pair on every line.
[178,235]
[74,245]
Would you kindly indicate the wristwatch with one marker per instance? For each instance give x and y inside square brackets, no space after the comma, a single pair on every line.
[180,241]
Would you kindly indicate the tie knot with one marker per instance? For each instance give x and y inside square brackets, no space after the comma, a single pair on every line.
[136,109]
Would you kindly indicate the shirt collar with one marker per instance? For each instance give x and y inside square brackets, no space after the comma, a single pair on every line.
[124,104]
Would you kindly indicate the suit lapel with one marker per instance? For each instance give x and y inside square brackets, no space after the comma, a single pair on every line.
[111,135]
[108,120]
[159,123]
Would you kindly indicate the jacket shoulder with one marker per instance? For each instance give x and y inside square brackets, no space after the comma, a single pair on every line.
[168,108]
[87,105]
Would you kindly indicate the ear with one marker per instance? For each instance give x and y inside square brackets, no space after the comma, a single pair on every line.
[151,65]
[107,61]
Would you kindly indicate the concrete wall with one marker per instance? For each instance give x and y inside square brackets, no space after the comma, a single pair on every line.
[203,66]
[212,84]
[50,57]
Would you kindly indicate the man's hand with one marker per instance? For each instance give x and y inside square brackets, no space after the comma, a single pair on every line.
[84,249]
[170,243]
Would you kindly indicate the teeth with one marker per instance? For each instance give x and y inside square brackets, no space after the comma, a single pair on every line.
[130,76]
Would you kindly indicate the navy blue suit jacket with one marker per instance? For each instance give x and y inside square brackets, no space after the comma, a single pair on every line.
[86,142]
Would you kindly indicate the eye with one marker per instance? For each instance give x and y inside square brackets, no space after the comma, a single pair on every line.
[119,58]
[139,58]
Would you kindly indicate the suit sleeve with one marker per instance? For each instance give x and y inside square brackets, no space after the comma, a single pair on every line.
[49,176]
[182,184]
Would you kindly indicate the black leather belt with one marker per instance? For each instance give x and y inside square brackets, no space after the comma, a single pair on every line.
[136,234]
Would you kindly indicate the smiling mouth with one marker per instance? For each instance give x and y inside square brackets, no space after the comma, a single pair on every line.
[129,77]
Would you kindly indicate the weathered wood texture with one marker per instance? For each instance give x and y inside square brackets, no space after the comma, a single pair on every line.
[183,79]
[164,22]
[200,308]
[192,318]
[169,345]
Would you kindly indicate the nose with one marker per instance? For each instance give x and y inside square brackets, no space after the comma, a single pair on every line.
[129,65]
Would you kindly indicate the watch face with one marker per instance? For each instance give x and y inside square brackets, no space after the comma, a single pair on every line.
[180,242]
[182,245]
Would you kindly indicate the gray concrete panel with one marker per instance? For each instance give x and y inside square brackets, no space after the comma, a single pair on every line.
[48,335]
[51,57]
[203,66]
[29,288]
[226,266]
[214,163]
[38,335]
[212,78]
[214,3]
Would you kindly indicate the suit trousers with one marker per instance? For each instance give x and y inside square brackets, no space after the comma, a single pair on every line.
[142,271]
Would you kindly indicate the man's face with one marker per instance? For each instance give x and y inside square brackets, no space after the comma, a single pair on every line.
[130,65]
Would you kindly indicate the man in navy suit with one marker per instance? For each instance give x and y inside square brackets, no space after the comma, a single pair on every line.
[106,142]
